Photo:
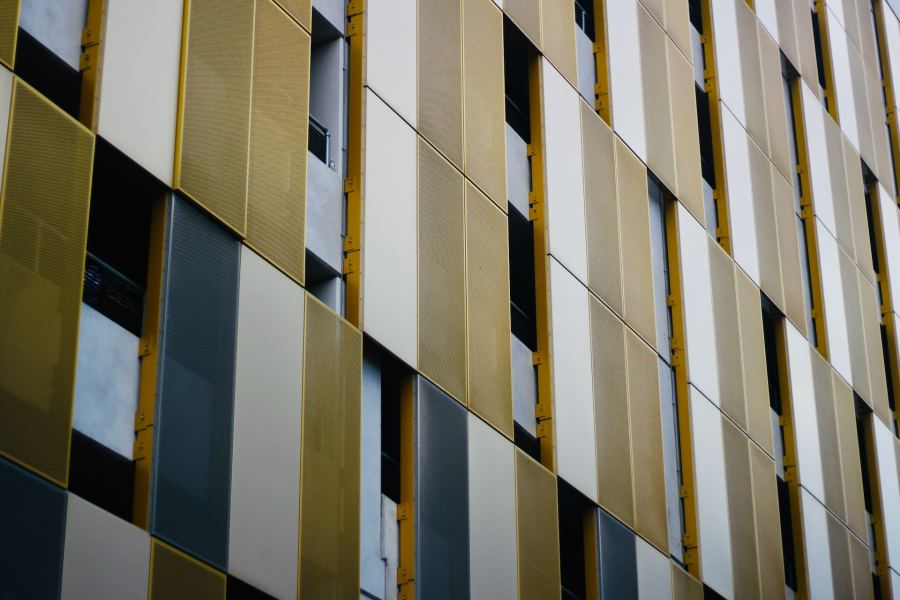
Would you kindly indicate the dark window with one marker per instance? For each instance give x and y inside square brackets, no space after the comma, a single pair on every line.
[516,53]
[521,279]
[48,73]
[584,17]
[101,476]
[707,159]
[820,56]
[393,376]
[771,318]
[787,534]
[239,590]
[573,508]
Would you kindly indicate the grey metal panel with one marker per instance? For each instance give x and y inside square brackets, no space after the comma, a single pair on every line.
[371,567]
[587,67]
[618,563]
[106,382]
[32,526]
[669,422]
[57,25]
[195,394]
[265,476]
[518,171]
[105,556]
[524,385]
[324,196]
[441,493]
[492,518]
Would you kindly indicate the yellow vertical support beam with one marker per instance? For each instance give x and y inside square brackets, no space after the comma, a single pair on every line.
[537,214]
[809,221]
[887,84]
[356,28]
[682,395]
[821,12]
[711,86]
[601,57]
[91,62]
[406,569]
[149,356]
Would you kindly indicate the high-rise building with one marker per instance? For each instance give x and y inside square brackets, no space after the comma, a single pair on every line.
[443,299]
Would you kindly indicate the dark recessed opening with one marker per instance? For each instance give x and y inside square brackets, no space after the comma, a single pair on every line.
[787,534]
[529,444]
[584,17]
[573,508]
[707,161]
[236,589]
[394,375]
[101,476]
[521,279]
[517,51]
[771,318]
[48,73]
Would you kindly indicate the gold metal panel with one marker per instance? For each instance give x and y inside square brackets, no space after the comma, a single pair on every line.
[856,187]
[871,326]
[806,48]
[678,25]
[657,103]
[728,341]
[856,338]
[646,443]
[301,10]
[684,586]
[526,14]
[485,123]
[828,441]
[276,203]
[174,574]
[601,209]
[559,36]
[837,170]
[739,486]
[537,525]
[860,565]
[614,475]
[753,359]
[440,97]
[845,414]
[329,471]
[634,228]
[212,139]
[442,273]
[773,90]
[487,311]
[9,31]
[841,568]
[684,127]
[768,524]
[789,252]
[751,74]
[43,231]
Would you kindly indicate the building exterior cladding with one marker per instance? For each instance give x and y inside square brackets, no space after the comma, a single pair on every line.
[450,298]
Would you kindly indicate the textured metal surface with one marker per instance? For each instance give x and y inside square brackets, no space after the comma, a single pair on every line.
[657,101]
[215,121]
[527,15]
[195,401]
[43,231]
[860,565]
[174,574]
[753,358]
[557,17]
[615,491]
[768,524]
[684,586]
[440,98]
[685,127]
[488,352]
[601,209]
[740,511]
[727,332]
[789,252]
[485,124]
[537,527]
[276,202]
[329,485]
[301,10]
[646,443]
[32,527]
[828,440]
[9,30]
[637,274]
[442,500]
[441,273]
[841,575]
[851,470]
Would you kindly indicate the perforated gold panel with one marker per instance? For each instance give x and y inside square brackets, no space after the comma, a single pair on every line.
[646,443]
[440,76]
[871,325]
[485,153]
[728,341]
[43,231]
[841,568]
[301,10]
[684,586]
[614,476]
[634,228]
[329,470]
[684,128]
[9,31]
[768,525]
[657,105]
[174,574]
[845,413]
[214,124]
[789,252]
[559,37]
[487,310]
[601,209]
[442,273]
[537,525]
[276,206]
[753,354]
[762,172]
[828,441]
[751,74]
[776,114]
[740,511]
[527,15]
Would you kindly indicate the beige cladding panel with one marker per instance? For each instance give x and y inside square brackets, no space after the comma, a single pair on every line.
[851,472]
[527,15]
[727,335]
[829,449]
[765,227]
[441,273]
[614,470]
[557,18]
[740,511]
[537,526]
[684,586]
[301,10]
[870,313]
[678,25]
[776,112]
[841,567]
[789,252]
[768,524]
[657,103]
[861,567]
[752,76]
[685,129]
[753,358]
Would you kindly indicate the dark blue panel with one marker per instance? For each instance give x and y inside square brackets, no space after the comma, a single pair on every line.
[195,394]
[618,564]
[442,498]
[32,533]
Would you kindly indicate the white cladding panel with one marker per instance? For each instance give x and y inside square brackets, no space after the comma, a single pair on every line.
[654,572]
[886,456]
[803,401]
[817,148]
[740,195]
[833,299]
[391,67]
[626,86]
[728,56]
[818,553]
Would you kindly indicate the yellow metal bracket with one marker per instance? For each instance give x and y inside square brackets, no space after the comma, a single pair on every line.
[601,63]
[90,63]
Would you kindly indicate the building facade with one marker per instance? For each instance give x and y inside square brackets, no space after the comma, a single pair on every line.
[450,299]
